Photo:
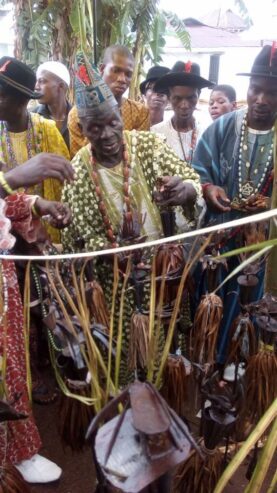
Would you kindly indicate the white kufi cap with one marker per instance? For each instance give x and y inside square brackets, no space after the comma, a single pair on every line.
[56,68]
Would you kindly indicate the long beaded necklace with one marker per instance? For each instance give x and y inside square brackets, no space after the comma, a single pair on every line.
[126,197]
[43,307]
[12,162]
[188,158]
[247,188]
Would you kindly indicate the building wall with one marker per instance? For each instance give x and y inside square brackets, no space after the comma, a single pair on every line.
[232,61]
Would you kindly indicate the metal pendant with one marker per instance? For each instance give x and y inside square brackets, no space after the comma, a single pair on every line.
[247,189]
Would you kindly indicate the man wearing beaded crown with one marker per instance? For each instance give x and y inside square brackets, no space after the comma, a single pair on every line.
[234,159]
[117,172]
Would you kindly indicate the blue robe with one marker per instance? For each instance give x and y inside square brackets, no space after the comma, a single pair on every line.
[216,160]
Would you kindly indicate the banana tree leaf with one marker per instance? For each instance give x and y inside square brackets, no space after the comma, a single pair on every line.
[244,264]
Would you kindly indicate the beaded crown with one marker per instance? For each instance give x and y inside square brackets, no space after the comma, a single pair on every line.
[91,92]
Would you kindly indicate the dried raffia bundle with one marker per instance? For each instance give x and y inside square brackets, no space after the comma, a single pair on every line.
[205,329]
[261,381]
[175,381]
[99,307]
[261,372]
[199,474]
[170,262]
[75,415]
[139,341]
[11,481]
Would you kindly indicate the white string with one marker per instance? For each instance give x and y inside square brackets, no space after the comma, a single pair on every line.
[169,239]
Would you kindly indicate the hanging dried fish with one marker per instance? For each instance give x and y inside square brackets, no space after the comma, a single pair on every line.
[205,329]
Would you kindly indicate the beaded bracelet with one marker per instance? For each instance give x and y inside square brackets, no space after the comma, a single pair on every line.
[5,185]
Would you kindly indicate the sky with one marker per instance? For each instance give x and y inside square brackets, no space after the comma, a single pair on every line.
[261,11]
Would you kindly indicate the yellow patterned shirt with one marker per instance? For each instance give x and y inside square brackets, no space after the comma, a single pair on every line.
[135,116]
[45,138]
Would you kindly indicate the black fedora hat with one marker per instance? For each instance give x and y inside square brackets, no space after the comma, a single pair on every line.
[265,63]
[154,73]
[182,74]
[19,76]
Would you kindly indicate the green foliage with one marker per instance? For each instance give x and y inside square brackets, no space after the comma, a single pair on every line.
[52,29]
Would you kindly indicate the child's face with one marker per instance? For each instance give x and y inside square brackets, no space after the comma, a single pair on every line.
[219,104]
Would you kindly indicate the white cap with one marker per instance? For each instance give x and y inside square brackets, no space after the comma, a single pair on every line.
[56,68]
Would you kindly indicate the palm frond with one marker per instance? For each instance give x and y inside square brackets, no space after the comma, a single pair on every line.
[179,28]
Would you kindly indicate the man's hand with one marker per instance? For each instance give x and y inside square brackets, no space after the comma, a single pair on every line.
[60,214]
[257,203]
[174,191]
[38,168]
[216,198]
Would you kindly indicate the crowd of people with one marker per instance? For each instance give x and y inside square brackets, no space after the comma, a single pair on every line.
[120,150]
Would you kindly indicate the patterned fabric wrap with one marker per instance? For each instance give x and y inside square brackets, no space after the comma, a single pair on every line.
[18,211]
[6,239]
[91,92]
[19,440]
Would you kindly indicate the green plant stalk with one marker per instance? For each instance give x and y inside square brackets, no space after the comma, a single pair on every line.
[263,463]
[273,484]
[152,308]
[27,283]
[111,328]
[155,335]
[256,434]
[90,16]
[249,248]
[243,264]
[120,325]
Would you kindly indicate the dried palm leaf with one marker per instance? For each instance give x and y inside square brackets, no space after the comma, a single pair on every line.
[11,481]
[175,378]
[169,262]
[99,307]
[197,474]
[139,341]
[205,329]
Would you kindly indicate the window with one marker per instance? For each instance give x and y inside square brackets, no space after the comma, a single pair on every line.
[214,68]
